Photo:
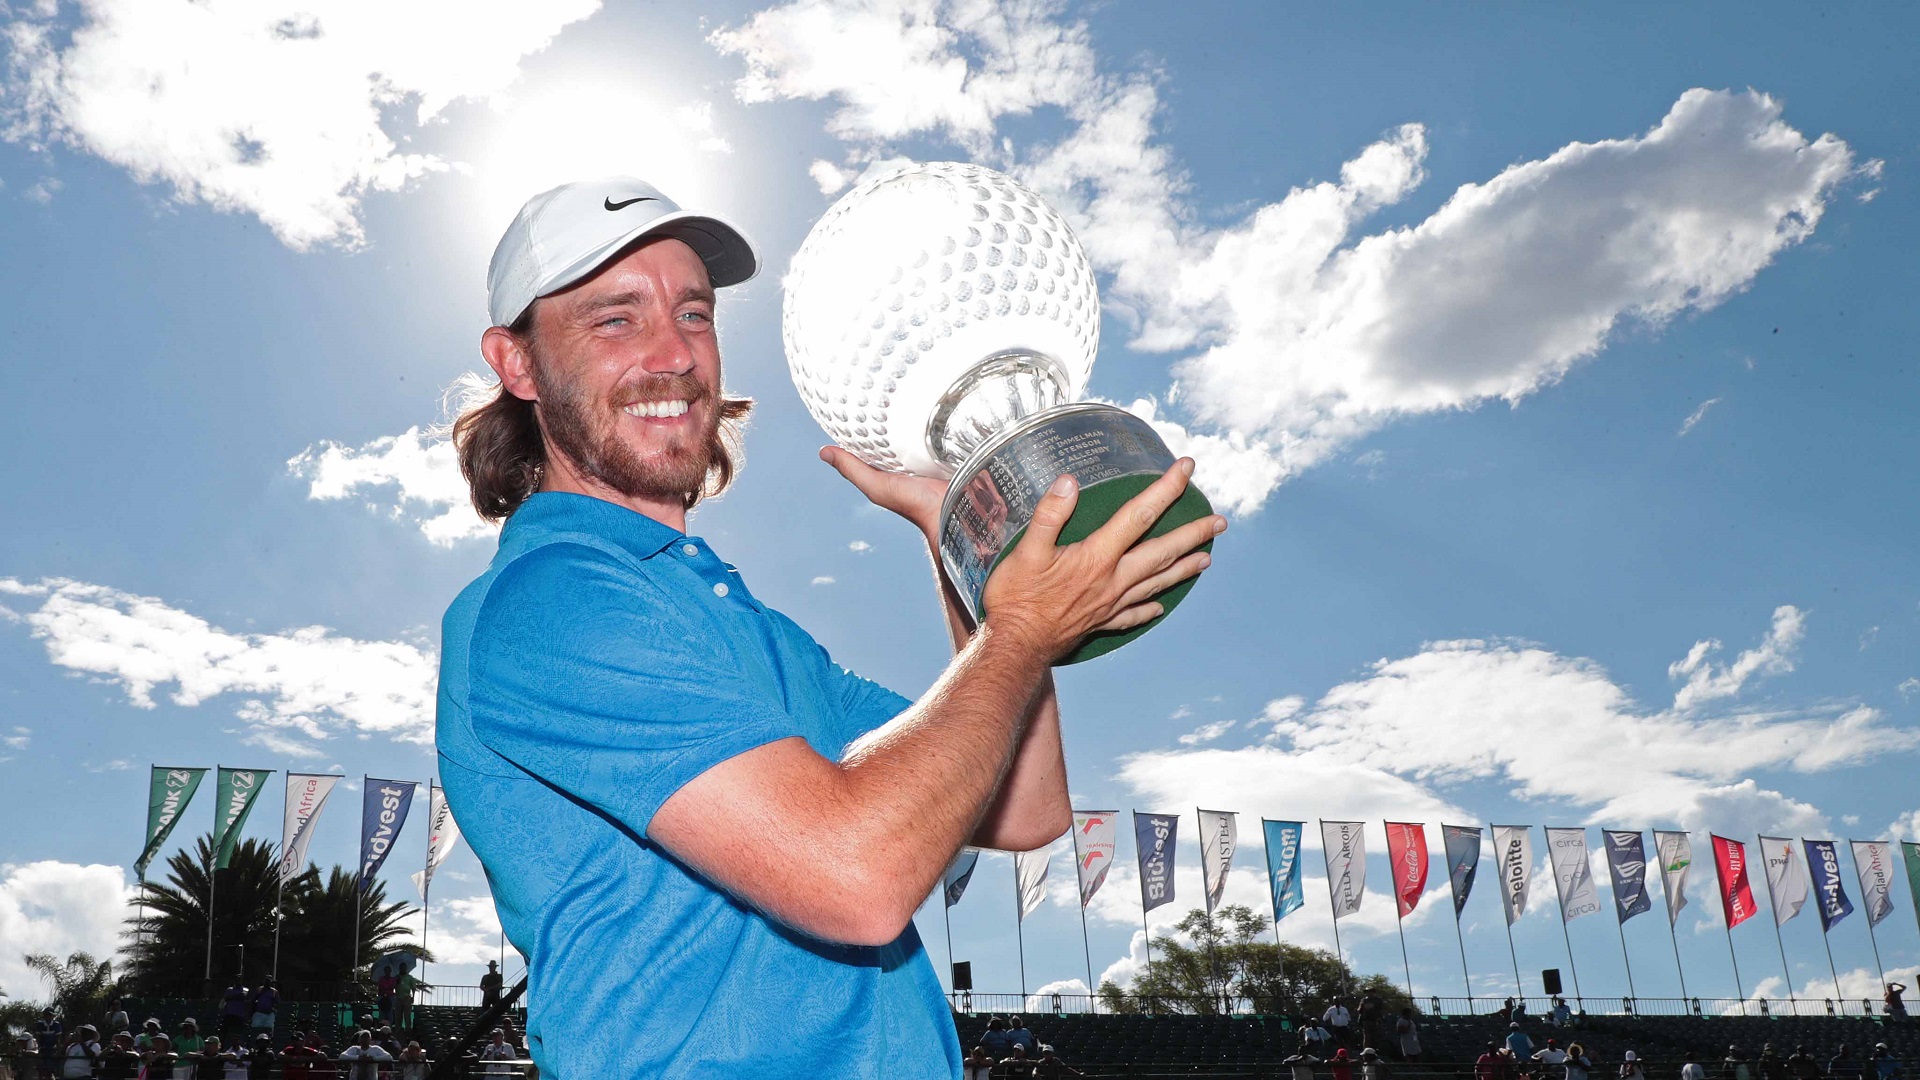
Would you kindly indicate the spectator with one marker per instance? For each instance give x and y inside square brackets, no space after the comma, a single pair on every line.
[1801,1066]
[1735,1066]
[119,1061]
[1843,1067]
[148,1032]
[261,1058]
[384,989]
[1487,1066]
[1630,1067]
[1371,1067]
[385,1041]
[413,1063]
[1554,1058]
[1341,1067]
[1406,1035]
[1518,1044]
[1506,1010]
[48,1036]
[188,1044]
[1578,1065]
[117,1018]
[319,1058]
[1690,1067]
[1018,1035]
[363,1059]
[490,984]
[1302,1062]
[1015,1066]
[160,1060]
[1050,1067]
[497,1050]
[403,1001]
[1319,1040]
[266,1002]
[1560,1015]
[1769,1064]
[215,1062]
[296,1061]
[1885,1065]
[1519,1011]
[1896,1005]
[235,1007]
[81,1054]
[1373,1014]
[1338,1021]
[978,1065]
[997,1039]
[513,1036]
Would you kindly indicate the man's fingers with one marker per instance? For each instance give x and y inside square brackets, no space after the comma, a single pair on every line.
[1166,579]
[1140,512]
[1056,506]
[1149,557]
[1132,617]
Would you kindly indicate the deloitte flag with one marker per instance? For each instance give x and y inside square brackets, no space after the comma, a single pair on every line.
[1154,839]
[1283,865]
[1463,861]
[1627,870]
[236,789]
[1513,845]
[168,793]
[1825,864]
[383,811]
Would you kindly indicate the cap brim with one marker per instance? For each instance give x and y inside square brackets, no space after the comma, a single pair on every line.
[725,251]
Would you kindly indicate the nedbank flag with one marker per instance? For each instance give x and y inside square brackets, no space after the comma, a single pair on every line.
[1910,854]
[236,790]
[169,793]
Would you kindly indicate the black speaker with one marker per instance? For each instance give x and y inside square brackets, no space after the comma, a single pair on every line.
[963,976]
[1550,980]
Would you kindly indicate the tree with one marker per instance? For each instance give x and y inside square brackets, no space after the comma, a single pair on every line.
[317,941]
[79,990]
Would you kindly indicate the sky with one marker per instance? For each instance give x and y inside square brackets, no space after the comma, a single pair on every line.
[1548,361]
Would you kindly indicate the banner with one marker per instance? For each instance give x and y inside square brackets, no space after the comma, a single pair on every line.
[1093,842]
[1736,892]
[168,793]
[1283,865]
[1572,873]
[1676,855]
[306,797]
[1219,835]
[1786,877]
[235,790]
[1627,872]
[1345,844]
[1910,853]
[1463,861]
[442,831]
[1513,844]
[1154,839]
[1030,879]
[383,811]
[1832,895]
[1407,857]
[954,881]
[1873,861]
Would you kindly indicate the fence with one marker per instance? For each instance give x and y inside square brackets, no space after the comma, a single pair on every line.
[974,1003]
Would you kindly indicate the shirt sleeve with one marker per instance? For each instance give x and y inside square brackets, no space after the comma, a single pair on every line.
[595,680]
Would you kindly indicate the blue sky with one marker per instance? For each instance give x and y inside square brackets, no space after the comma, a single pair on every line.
[1550,362]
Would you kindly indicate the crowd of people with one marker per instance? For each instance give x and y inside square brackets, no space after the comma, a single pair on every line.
[1008,1051]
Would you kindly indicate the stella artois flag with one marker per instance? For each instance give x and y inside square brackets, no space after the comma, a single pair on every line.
[442,833]
[1736,891]
[1407,856]
[1345,845]
[1094,834]
[1218,836]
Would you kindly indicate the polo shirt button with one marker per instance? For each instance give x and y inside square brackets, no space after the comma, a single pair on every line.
[689,549]
[720,588]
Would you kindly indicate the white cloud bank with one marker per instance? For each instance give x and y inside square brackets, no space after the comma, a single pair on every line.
[57,908]
[413,477]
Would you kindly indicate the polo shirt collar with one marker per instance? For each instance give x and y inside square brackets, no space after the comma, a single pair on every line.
[548,512]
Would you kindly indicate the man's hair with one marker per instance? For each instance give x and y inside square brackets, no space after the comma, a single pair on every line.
[497,438]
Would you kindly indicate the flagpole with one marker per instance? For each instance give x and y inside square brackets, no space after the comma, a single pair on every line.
[280,870]
[1399,921]
[360,887]
[1738,985]
[1838,997]
[213,873]
[1624,958]
[1785,969]
[946,916]
[1085,947]
[1145,930]
[1466,978]
[1519,988]
[1673,914]
[426,882]
[1019,933]
[1213,961]
[1560,894]
[1459,936]
[1333,908]
[1872,935]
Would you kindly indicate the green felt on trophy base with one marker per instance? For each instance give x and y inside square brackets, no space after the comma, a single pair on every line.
[1098,503]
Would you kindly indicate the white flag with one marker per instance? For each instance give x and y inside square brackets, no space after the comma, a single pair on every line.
[1030,879]
[1093,840]
[1873,859]
[1514,845]
[441,833]
[1218,836]
[306,796]
[1345,844]
[1572,873]
[1676,855]
[1787,880]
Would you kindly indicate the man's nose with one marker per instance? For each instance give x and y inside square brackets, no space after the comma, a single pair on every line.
[669,353]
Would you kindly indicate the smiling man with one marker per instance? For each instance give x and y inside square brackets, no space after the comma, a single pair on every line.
[707,838]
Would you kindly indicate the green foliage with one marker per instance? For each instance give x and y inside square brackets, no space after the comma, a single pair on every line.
[79,991]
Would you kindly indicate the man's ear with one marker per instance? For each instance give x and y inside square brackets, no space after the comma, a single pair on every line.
[509,359]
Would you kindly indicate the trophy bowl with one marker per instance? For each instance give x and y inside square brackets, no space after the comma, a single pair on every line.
[942,320]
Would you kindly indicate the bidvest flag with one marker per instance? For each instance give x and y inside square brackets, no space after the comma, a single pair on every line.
[1873,860]
[1572,873]
[959,873]
[1827,889]
[1786,877]
[1910,853]
[168,793]
[442,832]
[1030,879]
[306,797]
[1736,891]
[1627,872]
[1154,839]
[1094,836]
[1283,865]
[1345,844]
[1463,861]
[236,789]
[1514,845]
[1676,856]
[1407,856]
[1218,836]
[383,811]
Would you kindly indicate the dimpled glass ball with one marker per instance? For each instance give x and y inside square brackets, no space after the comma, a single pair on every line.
[911,280]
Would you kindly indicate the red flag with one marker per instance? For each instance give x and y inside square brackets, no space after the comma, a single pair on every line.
[1736,892]
[1407,854]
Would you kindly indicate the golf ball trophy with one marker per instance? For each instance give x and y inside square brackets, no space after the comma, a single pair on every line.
[942,320]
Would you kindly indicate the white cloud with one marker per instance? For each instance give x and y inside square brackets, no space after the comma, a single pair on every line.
[1696,416]
[415,475]
[824,579]
[1773,656]
[299,685]
[291,110]
[859,547]
[19,738]
[1206,733]
[1908,687]
[57,908]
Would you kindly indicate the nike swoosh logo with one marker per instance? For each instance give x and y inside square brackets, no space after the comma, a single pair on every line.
[611,205]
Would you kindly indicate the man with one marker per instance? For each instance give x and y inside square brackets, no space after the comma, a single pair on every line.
[490,984]
[1018,1035]
[498,1049]
[49,1036]
[363,1059]
[1843,1066]
[235,1009]
[1518,1044]
[1885,1065]
[1801,1065]
[120,1061]
[1338,1021]
[1554,1058]
[1300,1064]
[1406,1033]
[722,814]
[266,1001]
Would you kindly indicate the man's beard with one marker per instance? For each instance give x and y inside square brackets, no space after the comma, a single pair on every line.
[587,432]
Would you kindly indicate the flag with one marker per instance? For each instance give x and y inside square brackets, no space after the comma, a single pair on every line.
[1572,873]
[442,831]
[1093,842]
[1873,861]
[1407,858]
[1736,892]
[1910,853]
[1676,855]
[1030,879]
[1283,865]
[383,811]
[954,881]
[1627,872]
[306,797]
[235,790]
[1218,836]
[1154,838]
[1345,845]
[1786,878]
[1825,864]
[1514,845]
[168,793]
[1463,861]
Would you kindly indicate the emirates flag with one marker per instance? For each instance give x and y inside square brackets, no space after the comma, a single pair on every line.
[1736,891]
[1407,855]
[1873,859]
[1030,879]
[1218,836]
[1345,844]
[1094,834]
[1786,877]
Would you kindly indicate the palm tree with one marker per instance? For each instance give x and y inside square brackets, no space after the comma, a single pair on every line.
[81,987]
[316,942]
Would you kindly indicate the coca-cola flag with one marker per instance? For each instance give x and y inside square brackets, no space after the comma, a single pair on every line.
[1407,855]
[1627,871]
[1828,890]
[1094,836]
[1514,845]
[1786,877]
[1345,844]
[1463,861]
[1572,873]
[1218,836]
[1873,859]
[1736,891]
[1154,838]
[1676,856]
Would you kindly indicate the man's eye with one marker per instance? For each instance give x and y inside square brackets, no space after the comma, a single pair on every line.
[697,316]
[616,320]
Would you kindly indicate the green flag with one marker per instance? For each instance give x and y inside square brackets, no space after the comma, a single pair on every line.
[236,790]
[171,791]
[1910,851]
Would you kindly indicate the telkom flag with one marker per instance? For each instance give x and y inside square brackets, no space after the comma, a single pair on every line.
[235,790]
[1736,889]
[1827,889]
[383,811]
[1407,858]
[1283,865]
[1030,879]
[954,881]
[1910,853]
[1676,855]
[1218,836]
[1514,846]
[1463,861]
[1093,843]
[1786,877]
[442,832]
[1572,873]
[306,796]
[1154,839]
[168,793]
[1627,871]
[1873,859]
[1345,843]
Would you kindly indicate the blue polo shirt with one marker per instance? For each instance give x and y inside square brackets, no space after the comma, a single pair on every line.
[602,661]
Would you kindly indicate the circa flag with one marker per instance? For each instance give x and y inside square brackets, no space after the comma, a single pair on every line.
[1572,873]
[1345,845]
[1736,891]
[1786,877]
[1154,838]
[1873,860]
[1463,861]
[1514,845]
[1407,857]
[1283,865]
[1218,837]
[1827,889]
[383,811]
[1627,871]
[306,797]
[1094,835]
[1676,855]
[236,790]
[168,793]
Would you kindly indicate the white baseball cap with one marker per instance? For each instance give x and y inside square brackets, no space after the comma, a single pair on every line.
[564,235]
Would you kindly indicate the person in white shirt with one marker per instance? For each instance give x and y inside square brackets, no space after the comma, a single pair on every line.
[1338,1021]
[364,1058]
[499,1050]
[1692,1070]
[1553,1058]
[81,1052]
[1316,1038]
[1302,1063]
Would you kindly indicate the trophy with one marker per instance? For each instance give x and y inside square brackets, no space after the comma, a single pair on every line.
[942,320]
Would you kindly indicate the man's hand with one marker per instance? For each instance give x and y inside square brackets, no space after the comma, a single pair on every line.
[916,498]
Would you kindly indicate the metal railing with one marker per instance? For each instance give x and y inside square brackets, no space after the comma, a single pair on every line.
[1538,1009]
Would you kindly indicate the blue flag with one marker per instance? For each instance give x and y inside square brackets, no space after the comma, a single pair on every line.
[959,874]
[1154,836]
[1627,869]
[1463,861]
[1283,865]
[1824,861]
[383,810]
